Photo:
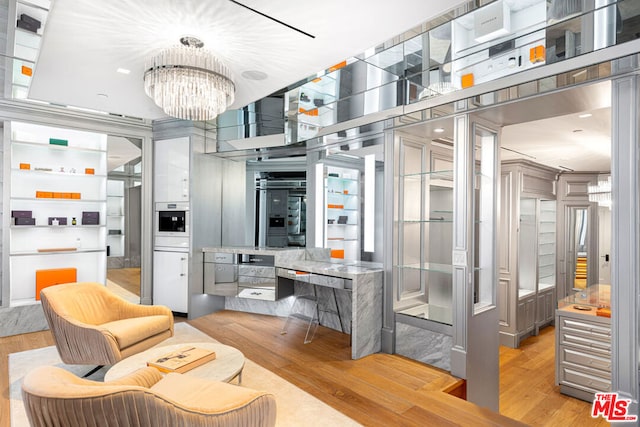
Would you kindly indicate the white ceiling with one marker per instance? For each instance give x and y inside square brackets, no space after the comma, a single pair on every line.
[85,42]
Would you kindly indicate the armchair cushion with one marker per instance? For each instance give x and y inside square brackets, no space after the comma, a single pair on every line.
[128,332]
[202,395]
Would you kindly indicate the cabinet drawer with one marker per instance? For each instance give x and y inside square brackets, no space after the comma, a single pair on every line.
[597,331]
[585,343]
[585,359]
[583,380]
[257,271]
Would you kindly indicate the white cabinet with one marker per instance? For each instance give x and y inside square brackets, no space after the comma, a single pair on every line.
[171,170]
[171,280]
[57,184]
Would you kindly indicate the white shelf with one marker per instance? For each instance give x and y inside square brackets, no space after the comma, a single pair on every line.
[58,227]
[58,200]
[77,251]
[48,146]
[58,174]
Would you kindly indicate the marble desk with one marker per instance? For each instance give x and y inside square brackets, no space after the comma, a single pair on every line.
[356,283]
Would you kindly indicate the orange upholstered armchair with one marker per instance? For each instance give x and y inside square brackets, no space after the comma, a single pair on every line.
[92,326]
[55,397]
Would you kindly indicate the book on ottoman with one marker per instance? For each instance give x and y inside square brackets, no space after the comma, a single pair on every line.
[182,360]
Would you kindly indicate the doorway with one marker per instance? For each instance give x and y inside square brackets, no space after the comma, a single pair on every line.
[558,151]
[124,204]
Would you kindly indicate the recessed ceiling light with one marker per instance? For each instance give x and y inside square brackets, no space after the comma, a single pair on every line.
[438,130]
[254,75]
[123,71]
[585,115]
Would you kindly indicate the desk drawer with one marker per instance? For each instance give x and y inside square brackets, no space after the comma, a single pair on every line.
[220,257]
[256,271]
[257,282]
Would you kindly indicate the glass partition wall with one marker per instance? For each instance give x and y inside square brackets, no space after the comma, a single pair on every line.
[423,171]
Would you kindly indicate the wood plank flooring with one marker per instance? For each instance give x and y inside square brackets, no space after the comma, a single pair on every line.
[378,390]
[128,278]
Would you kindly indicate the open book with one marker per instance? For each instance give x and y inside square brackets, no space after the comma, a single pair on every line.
[182,359]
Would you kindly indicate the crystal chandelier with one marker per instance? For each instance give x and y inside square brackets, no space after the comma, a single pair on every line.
[188,82]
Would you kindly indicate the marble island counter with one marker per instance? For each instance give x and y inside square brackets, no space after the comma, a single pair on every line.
[267,281]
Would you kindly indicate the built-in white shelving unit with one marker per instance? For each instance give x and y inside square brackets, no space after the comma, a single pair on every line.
[55,176]
[115,217]
[342,212]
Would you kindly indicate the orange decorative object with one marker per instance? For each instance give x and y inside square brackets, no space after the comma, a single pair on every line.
[25,166]
[345,191]
[54,276]
[27,71]
[316,80]
[44,194]
[537,54]
[337,66]
[75,195]
[467,80]
[312,112]
[603,312]
[337,253]
[89,171]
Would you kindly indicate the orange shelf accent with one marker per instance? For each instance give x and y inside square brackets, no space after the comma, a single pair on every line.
[25,166]
[44,194]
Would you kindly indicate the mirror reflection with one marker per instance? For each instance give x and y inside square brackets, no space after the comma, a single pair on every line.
[579,246]
[124,220]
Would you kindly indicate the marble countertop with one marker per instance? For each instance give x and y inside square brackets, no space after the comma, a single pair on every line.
[302,259]
[250,250]
[345,270]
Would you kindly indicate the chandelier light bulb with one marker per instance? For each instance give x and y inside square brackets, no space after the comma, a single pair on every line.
[189,83]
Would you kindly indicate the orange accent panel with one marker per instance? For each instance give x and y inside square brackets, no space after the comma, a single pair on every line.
[54,276]
[27,71]
[44,194]
[25,166]
[89,171]
[467,80]
[75,195]
[537,54]
[337,253]
[338,66]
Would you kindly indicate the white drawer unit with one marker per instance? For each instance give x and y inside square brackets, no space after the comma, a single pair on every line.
[583,353]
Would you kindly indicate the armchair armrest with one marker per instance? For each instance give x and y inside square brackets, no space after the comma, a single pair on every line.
[143,377]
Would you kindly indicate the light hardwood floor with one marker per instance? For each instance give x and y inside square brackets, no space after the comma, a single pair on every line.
[379,390]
